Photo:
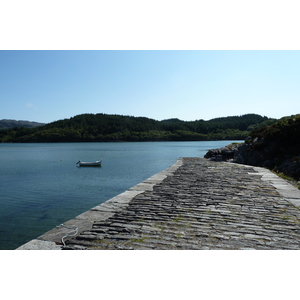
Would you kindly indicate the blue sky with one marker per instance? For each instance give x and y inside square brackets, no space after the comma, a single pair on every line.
[45,86]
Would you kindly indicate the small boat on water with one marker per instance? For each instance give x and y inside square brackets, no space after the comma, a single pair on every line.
[90,164]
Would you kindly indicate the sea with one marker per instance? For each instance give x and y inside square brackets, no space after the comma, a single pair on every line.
[41,185]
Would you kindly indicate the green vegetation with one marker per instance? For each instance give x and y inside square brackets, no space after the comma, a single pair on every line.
[286,177]
[285,130]
[106,128]
[276,147]
[290,179]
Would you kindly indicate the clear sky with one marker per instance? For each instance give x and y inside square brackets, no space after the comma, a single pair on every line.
[45,86]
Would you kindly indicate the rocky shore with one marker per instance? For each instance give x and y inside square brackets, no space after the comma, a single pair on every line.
[226,153]
[261,153]
[271,155]
[276,147]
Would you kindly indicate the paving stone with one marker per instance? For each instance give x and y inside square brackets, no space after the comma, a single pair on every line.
[203,202]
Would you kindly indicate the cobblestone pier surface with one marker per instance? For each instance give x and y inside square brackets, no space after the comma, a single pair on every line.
[195,204]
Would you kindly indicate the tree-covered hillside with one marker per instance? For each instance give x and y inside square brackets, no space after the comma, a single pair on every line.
[103,127]
[276,147]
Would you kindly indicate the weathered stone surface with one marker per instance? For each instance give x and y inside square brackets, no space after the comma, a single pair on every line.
[203,205]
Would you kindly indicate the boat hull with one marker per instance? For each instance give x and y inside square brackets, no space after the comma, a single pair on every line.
[90,164]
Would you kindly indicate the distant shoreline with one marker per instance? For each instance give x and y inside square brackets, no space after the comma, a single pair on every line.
[117,128]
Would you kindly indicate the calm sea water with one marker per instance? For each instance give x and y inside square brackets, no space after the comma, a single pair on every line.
[41,186]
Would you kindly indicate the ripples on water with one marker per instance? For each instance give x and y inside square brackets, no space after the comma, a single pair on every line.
[41,186]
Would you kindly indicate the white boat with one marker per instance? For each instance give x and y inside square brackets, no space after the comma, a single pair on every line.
[90,164]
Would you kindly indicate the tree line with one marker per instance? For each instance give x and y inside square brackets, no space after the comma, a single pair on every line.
[108,128]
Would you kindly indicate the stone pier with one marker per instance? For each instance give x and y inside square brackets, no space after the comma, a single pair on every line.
[195,204]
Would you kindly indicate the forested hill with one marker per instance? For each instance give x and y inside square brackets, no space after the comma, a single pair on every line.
[103,127]
[276,147]
[6,124]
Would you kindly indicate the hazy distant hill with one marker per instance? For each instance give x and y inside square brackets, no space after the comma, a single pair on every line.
[6,124]
[104,128]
